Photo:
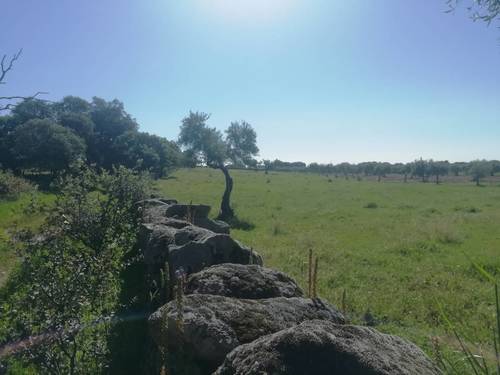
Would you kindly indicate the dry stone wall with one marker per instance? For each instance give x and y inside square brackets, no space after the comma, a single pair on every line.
[235,317]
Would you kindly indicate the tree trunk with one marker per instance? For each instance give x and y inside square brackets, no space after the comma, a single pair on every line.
[437,179]
[406,177]
[226,212]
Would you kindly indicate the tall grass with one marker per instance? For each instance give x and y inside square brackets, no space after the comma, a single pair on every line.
[477,363]
[313,275]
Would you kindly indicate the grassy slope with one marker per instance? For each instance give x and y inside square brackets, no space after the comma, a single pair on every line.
[394,261]
[12,216]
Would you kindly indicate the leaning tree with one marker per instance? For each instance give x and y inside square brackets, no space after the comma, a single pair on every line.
[207,146]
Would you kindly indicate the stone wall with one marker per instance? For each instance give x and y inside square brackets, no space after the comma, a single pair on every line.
[234,316]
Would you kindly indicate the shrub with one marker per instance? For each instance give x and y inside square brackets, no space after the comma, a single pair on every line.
[277,228]
[446,233]
[66,293]
[371,205]
[11,187]
[470,209]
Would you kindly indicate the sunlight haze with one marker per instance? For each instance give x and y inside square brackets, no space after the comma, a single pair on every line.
[325,81]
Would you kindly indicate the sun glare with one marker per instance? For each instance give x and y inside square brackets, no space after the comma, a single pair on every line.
[250,10]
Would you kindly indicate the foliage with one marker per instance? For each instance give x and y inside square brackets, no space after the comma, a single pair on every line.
[79,123]
[241,141]
[49,136]
[32,109]
[11,187]
[46,146]
[483,10]
[111,121]
[207,146]
[382,169]
[27,211]
[479,169]
[66,292]
[147,152]
[73,105]
[438,168]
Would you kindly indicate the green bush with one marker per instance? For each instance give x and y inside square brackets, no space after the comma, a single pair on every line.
[11,187]
[66,294]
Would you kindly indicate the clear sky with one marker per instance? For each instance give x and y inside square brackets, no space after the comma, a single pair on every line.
[320,80]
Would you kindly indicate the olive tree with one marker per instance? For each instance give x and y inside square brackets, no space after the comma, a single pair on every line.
[381,170]
[438,168]
[209,147]
[479,169]
[420,168]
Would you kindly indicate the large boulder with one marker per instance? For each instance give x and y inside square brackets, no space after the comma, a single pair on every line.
[162,213]
[154,202]
[211,248]
[217,226]
[242,281]
[321,347]
[190,247]
[154,240]
[192,233]
[214,325]
[182,211]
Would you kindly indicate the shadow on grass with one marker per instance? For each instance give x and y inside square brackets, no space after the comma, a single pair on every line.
[241,224]
[169,178]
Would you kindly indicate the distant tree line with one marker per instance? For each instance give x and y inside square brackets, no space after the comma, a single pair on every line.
[41,136]
[425,170]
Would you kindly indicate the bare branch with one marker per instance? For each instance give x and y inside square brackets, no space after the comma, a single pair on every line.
[23,97]
[9,106]
[5,68]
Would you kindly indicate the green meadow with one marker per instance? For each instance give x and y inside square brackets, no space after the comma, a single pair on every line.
[23,213]
[391,254]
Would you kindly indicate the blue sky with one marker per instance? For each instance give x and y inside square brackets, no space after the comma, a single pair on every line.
[320,80]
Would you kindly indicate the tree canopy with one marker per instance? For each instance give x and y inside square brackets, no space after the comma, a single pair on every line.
[99,132]
[479,169]
[241,141]
[45,145]
[209,147]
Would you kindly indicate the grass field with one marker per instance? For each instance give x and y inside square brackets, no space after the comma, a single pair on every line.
[397,250]
[14,215]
